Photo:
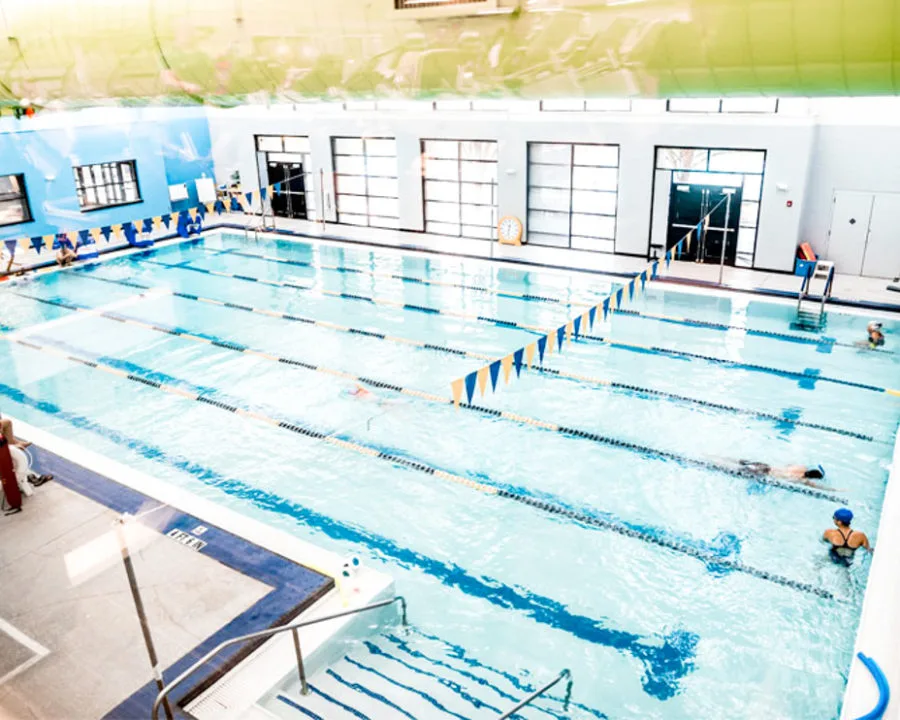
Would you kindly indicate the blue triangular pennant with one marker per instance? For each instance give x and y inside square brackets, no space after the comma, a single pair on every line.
[654,268]
[59,241]
[147,225]
[130,232]
[560,336]
[668,258]
[631,290]
[471,379]
[277,188]
[619,294]
[83,238]
[542,345]
[677,249]
[517,360]
[605,308]
[576,323]
[495,372]
[38,244]
[11,246]
[201,211]
[592,315]
[643,280]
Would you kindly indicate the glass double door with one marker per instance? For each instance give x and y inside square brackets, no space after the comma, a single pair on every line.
[291,201]
[689,203]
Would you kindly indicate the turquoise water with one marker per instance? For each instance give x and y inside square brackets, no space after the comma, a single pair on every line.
[672,589]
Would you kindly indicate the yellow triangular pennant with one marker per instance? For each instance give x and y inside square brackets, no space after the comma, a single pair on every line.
[157,222]
[506,364]
[173,218]
[482,379]
[25,244]
[585,323]
[193,213]
[570,328]
[96,234]
[530,350]
[551,341]
[687,240]
[116,231]
[612,302]
[210,207]
[73,238]
[456,387]
[48,241]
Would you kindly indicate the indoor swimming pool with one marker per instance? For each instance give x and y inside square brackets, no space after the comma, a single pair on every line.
[599,523]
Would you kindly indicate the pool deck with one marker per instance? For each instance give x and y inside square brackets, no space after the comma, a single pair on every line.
[879,624]
[70,642]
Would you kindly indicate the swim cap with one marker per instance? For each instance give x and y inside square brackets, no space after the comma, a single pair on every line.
[843,515]
[816,473]
[874,325]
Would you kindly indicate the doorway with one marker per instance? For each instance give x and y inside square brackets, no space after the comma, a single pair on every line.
[689,203]
[864,238]
[291,201]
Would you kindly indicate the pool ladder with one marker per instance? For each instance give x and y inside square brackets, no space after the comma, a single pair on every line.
[162,699]
[811,311]
[262,224]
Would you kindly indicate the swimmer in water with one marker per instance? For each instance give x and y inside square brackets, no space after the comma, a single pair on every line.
[800,474]
[360,392]
[875,337]
[844,541]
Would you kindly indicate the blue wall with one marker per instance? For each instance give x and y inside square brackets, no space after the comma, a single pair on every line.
[169,146]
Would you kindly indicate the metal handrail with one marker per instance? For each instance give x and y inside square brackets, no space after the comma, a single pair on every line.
[293,628]
[540,691]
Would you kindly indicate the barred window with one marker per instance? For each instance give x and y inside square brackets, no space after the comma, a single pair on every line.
[106,185]
[14,207]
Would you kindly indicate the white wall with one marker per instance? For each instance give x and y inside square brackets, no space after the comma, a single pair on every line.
[787,140]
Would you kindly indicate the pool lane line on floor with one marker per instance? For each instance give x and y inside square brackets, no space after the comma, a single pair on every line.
[537,330]
[421,345]
[664,658]
[550,508]
[528,297]
[571,432]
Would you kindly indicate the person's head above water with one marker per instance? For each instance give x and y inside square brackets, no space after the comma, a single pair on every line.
[844,516]
[815,473]
[873,326]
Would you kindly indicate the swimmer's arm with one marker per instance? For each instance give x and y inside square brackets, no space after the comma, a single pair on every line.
[865,543]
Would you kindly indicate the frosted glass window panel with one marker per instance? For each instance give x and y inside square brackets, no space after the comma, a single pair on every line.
[392,223]
[127,173]
[98,174]
[478,150]
[752,187]
[681,158]
[386,207]
[479,232]
[381,166]
[548,199]
[701,105]
[131,192]
[442,169]
[435,190]
[442,228]
[442,149]
[478,215]
[550,154]
[608,105]
[351,184]
[737,161]
[537,238]
[383,187]
[102,199]
[453,105]
[599,203]
[296,144]
[381,147]
[597,226]
[269,144]
[482,172]
[552,176]
[348,146]
[593,244]
[749,105]
[585,178]
[478,194]
[746,240]
[442,212]
[352,204]
[562,105]
[548,222]
[597,155]
[353,219]
[91,196]
[749,214]
[349,165]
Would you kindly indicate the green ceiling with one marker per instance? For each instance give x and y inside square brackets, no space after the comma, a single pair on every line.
[83,51]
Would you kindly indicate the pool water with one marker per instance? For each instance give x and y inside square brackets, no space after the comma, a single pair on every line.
[620,546]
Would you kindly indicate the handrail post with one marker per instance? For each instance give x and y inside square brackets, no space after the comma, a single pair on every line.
[304,687]
[568,696]
[402,601]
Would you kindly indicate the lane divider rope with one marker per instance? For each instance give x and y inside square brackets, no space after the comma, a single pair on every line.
[529,297]
[572,432]
[534,329]
[554,372]
[413,464]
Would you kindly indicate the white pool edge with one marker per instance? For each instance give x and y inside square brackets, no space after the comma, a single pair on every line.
[878,635]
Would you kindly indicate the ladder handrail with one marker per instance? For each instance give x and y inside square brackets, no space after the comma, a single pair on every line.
[540,691]
[292,627]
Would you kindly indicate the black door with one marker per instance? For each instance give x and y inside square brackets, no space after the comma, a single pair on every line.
[689,204]
[291,201]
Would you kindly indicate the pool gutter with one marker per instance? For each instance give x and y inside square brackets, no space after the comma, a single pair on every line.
[878,635]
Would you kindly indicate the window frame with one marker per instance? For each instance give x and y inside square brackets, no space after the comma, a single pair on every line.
[118,164]
[365,156]
[23,197]
[571,189]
